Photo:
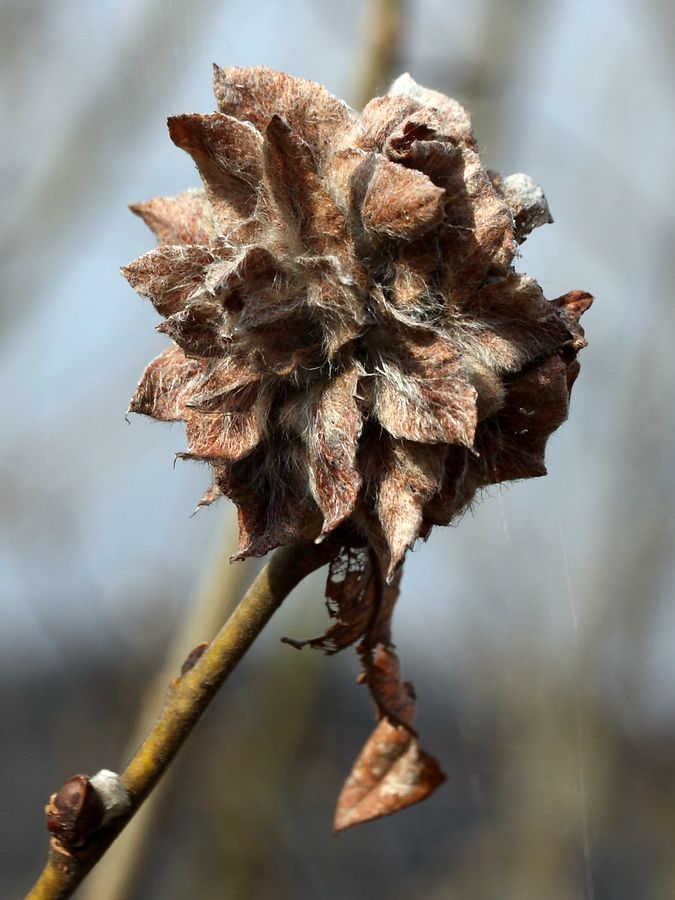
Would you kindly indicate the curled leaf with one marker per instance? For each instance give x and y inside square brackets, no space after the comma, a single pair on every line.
[390,774]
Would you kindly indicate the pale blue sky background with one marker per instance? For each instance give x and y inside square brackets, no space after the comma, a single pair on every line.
[94,517]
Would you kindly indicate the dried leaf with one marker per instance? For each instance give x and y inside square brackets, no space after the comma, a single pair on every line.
[169,275]
[331,433]
[412,396]
[390,774]
[166,386]
[452,117]
[271,510]
[380,117]
[513,324]
[351,597]
[185,219]
[303,203]
[257,93]
[222,436]
[198,329]
[511,444]
[399,203]
[228,154]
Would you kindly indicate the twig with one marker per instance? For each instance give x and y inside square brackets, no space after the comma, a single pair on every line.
[186,700]
[214,599]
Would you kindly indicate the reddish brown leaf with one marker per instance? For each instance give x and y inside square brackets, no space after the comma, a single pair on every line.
[390,774]
[351,597]
[439,160]
[166,386]
[457,491]
[400,203]
[302,200]
[400,477]
[574,304]
[217,436]
[231,385]
[380,117]
[477,239]
[258,93]
[228,154]
[199,329]
[453,119]
[337,302]
[513,324]
[511,444]
[169,275]
[329,423]
[415,397]
[272,510]
[184,219]
[412,291]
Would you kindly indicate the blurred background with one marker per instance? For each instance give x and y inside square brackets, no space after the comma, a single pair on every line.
[539,632]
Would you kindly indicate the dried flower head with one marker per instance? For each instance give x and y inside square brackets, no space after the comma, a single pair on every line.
[352,351]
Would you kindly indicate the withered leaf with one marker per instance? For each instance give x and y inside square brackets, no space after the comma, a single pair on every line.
[222,436]
[228,154]
[412,396]
[380,117]
[271,511]
[166,386]
[511,444]
[513,324]
[453,118]
[198,329]
[185,219]
[169,275]
[352,597]
[411,475]
[303,202]
[257,93]
[391,773]
[331,435]
[478,238]
[400,203]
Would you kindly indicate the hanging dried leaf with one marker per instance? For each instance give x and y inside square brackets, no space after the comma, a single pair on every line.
[392,771]
[390,774]
[351,598]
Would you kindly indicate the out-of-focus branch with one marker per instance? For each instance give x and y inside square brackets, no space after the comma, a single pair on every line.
[186,700]
[381,27]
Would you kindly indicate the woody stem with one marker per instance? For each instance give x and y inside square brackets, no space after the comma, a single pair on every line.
[186,700]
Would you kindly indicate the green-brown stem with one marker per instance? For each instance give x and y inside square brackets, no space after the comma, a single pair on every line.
[186,700]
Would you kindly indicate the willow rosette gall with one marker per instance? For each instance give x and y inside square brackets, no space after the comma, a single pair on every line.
[352,351]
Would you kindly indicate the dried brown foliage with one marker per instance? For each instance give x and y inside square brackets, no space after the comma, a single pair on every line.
[353,353]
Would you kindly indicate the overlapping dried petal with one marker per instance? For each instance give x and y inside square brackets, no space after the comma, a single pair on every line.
[353,352]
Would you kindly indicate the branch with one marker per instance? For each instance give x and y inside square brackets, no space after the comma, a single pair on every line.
[186,700]
[220,586]
[382,26]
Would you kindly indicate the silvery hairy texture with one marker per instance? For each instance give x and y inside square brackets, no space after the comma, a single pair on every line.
[353,353]
[351,346]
